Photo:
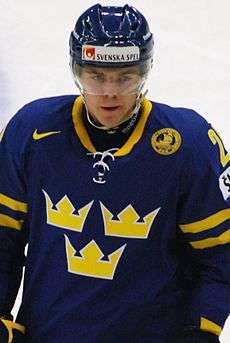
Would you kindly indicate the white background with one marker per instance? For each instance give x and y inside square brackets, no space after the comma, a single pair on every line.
[191,63]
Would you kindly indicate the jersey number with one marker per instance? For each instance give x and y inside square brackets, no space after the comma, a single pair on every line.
[224,157]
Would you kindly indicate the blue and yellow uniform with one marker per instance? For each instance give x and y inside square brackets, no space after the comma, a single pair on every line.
[131,243]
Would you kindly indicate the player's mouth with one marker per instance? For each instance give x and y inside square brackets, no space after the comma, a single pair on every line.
[110,108]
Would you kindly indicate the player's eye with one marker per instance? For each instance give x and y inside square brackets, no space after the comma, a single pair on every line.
[98,77]
[125,78]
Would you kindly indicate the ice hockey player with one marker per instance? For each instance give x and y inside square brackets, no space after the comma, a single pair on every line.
[123,201]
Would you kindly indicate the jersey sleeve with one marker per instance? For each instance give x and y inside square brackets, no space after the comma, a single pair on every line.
[204,227]
[13,214]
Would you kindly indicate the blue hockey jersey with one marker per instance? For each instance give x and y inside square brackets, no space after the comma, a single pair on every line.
[127,244]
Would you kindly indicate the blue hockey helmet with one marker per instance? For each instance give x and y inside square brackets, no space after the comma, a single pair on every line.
[111,36]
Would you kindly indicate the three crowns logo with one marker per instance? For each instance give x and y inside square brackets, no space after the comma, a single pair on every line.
[63,216]
[127,225]
[91,261]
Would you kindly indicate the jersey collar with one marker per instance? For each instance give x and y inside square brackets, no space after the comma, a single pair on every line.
[146,107]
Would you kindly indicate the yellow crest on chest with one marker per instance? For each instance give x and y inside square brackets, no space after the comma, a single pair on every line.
[166,141]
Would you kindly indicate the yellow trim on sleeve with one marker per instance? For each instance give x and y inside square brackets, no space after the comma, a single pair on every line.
[12,203]
[10,222]
[10,325]
[208,325]
[146,107]
[224,238]
[207,223]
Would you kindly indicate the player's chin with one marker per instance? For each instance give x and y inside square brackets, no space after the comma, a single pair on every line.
[110,121]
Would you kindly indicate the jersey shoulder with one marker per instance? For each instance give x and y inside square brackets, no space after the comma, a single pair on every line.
[184,119]
[192,127]
[41,115]
[200,141]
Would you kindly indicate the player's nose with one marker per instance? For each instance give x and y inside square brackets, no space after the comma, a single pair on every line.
[110,88]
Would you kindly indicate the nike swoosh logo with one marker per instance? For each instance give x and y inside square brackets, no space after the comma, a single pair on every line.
[37,136]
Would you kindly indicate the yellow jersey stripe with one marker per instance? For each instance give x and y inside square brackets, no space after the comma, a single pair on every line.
[208,325]
[10,222]
[224,238]
[207,223]
[12,203]
[82,133]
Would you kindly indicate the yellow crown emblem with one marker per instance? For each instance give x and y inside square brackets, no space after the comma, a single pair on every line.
[90,263]
[63,216]
[127,225]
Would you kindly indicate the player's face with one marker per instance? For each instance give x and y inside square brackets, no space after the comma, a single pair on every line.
[110,93]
